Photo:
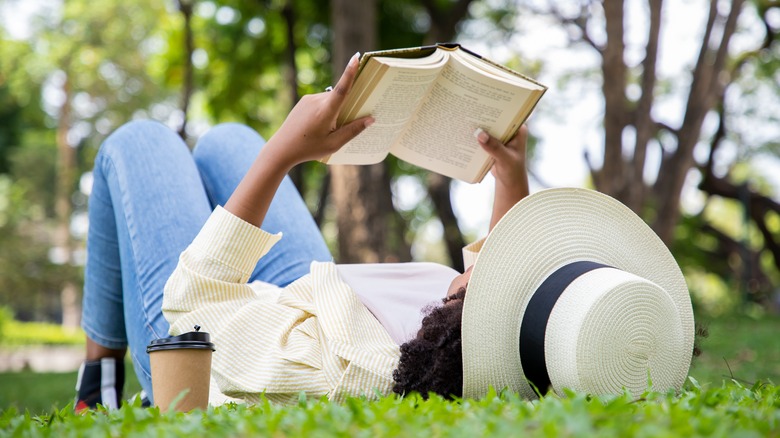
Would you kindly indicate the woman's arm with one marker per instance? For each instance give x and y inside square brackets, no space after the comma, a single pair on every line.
[509,170]
[308,133]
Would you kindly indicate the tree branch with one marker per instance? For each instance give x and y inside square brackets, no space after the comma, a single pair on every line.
[580,22]
[757,204]
[661,126]
[717,139]
[705,89]
[728,31]
[322,200]
[755,282]
[770,37]
[643,122]
[704,50]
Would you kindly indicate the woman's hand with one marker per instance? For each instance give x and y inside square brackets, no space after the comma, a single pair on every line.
[310,132]
[509,170]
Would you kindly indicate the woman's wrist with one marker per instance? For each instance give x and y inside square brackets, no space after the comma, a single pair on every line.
[273,154]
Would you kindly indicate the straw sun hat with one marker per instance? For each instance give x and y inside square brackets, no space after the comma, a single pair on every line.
[572,290]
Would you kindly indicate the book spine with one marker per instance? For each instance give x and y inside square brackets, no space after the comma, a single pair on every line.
[413,52]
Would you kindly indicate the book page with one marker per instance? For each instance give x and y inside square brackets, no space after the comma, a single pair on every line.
[391,103]
[491,69]
[440,136]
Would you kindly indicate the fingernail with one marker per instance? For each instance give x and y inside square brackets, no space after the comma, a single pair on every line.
[369,121]
[354,58]
[481,135]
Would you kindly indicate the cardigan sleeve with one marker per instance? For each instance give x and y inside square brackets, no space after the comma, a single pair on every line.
[470,253]
[213,270]
[312,336]
[262,345]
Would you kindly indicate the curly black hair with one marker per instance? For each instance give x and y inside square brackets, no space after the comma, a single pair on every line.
[433,362]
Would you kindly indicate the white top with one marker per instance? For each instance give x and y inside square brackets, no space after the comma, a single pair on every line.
[398,293]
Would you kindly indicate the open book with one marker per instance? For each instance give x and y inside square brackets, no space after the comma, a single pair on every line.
[427,102]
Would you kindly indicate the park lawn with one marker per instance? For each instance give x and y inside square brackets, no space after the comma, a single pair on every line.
[43,392]
[728,411]
[740,348]
[711,405]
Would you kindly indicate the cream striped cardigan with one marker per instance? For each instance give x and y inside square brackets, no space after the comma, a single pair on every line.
[313,335]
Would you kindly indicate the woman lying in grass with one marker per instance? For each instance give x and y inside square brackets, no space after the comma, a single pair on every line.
[220,238]
[293,321]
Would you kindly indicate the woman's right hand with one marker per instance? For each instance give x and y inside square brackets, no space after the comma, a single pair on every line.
[310,131]
[509,170]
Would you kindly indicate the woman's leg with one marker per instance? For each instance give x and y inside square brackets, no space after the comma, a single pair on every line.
[223,156]
[147,204]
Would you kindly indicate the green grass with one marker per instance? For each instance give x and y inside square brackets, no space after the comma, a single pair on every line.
[739,348]
[732,410]
[43,392]
[746,349]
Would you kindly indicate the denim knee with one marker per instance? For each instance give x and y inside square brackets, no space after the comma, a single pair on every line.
[226,138]
[138,136]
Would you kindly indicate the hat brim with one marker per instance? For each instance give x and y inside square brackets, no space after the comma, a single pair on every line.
[540,234]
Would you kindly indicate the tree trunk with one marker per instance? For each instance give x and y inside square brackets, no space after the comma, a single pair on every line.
[66,165]
[370,229]
[444,20]
[611,179]
[443,24]
[634,196]
[185,7]
[291,77]
[707,84]
[439,192]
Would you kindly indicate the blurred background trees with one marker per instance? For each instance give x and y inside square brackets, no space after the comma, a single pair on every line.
[695,152]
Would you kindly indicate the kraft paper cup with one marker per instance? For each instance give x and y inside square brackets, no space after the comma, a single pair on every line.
[181,370]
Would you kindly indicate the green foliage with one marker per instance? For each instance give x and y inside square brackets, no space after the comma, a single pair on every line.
[106,66]
[716,274]
[101,73]
[242,58]
[29,281]
[730,410]
[10,125]
[6,316]
[16,333]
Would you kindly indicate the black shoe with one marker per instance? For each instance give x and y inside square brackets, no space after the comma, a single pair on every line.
[145,402]
[100,382]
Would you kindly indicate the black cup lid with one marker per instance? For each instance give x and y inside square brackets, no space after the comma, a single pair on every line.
[196,340]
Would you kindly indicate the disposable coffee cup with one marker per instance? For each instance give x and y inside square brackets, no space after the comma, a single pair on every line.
[181,370]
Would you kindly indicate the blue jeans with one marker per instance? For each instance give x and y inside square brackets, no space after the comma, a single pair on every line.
[150,198]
